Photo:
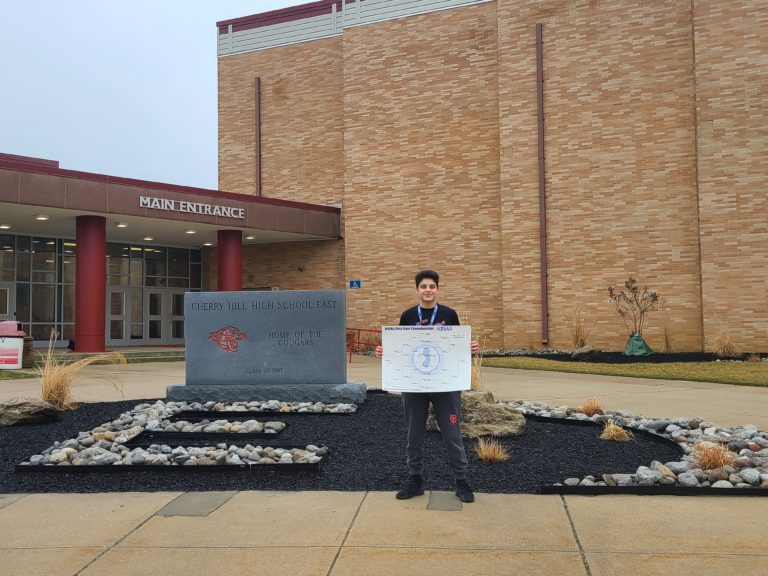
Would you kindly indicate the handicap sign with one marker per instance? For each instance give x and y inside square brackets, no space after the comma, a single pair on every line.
[355,284]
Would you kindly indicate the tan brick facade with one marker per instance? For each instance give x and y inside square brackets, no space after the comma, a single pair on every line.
[424,128]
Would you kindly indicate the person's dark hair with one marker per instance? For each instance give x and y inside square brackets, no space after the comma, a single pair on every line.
[431,274]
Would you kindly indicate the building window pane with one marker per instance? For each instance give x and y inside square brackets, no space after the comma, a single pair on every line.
[152,281]
[154,329]
[155,304]
[47,277]
[178,262]
[68,303]
[155,261]
[137,331]
[116,328]
[5,304]
[43,300]
[177,307]
[178,283]
[68,332]
[177,329]
[42,331]
[194,276]
[22,303]
[117,304]
[7,252]
[68,269]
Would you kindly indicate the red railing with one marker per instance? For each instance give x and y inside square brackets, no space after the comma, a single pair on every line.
[355,339]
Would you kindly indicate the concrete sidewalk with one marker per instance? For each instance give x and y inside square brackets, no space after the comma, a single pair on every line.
[371,533]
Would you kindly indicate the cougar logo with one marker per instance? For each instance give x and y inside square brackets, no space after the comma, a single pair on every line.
[227,338]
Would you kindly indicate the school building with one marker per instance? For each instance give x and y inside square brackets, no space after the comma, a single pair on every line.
[532,152]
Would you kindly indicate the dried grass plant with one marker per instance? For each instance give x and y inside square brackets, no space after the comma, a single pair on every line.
[57,375]
[667,347]
[477,360]
[613,431]
[754,357]
[710,455]
[578,329]
[723,346]
[491,450]
[590,406]
[477,375]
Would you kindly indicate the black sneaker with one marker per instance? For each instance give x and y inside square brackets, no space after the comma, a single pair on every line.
[413,488]
[464,491]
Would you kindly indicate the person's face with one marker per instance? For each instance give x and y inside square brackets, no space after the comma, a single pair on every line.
[427,290]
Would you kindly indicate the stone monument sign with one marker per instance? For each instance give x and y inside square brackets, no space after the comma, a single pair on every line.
[284,345]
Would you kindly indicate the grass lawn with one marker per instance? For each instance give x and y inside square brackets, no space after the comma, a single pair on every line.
[741,373]
[15,374]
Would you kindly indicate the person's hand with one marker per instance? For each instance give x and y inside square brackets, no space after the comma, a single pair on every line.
[379,352]
[474,347]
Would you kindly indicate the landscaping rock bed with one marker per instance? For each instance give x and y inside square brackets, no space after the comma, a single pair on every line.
[366,452]
[748,470]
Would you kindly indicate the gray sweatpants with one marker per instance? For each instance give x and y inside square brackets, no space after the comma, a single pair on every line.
[447,406]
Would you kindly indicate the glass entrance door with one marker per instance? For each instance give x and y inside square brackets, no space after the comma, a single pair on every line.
[118,314]
[7,301]
[163,316]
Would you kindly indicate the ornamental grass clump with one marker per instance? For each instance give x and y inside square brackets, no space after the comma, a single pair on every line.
[613,431]
[723,346]
[57,376]
[667,348]
[710,455]
[590,406]
[491,450]
[579,330]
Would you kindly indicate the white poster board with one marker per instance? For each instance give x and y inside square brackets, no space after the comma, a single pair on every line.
[426,358]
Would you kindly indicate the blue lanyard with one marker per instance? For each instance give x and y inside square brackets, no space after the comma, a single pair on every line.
[431,320]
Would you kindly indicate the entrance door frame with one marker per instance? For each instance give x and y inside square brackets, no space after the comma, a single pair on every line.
[167,320]
[11,300]
[124,317]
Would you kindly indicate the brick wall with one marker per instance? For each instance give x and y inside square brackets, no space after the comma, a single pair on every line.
[732,110]
[620,166]
[315,265]
[301,122]
[421,152]
[425,128]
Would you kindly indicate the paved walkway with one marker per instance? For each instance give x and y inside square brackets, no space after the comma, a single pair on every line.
[371,533]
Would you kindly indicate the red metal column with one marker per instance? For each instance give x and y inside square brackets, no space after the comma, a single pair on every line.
[91,283]
[230,260]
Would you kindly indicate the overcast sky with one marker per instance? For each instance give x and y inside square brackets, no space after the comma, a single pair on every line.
[125,88]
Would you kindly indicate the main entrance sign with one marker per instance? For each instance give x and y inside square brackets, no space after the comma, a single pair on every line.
[191,207]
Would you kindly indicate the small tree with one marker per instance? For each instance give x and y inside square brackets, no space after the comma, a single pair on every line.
[632,305]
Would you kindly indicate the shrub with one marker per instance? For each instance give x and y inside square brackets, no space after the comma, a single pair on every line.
[579,332]
[592,405]
[613,431]
[710,455]
[667,348]
[57,375]
[722,345]
[491,450]
[634,304]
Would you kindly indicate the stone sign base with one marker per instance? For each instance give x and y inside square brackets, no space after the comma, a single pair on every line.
[351,392]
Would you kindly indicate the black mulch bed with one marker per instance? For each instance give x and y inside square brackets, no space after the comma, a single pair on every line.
[621,358]
[367,453]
